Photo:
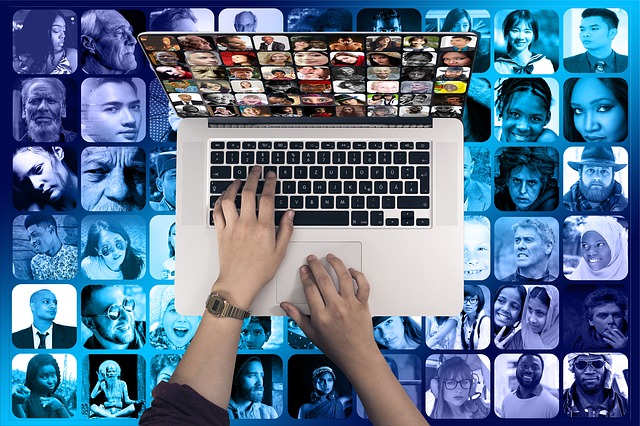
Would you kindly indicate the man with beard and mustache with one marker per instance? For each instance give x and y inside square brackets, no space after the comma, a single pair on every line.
[43,108]
[596,189]
[530,399]
[108,43]
[113,178]
[112,393]
[247,393]
[108,313]
[54,260]
[591,394]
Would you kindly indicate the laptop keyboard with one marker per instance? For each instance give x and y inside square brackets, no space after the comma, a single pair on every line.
[334,183]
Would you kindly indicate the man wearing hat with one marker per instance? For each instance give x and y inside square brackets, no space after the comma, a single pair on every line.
[596,190]
[591,394]
[166,181]
[248,391]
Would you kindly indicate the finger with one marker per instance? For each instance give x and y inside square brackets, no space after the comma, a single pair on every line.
[323,280]
[364,289]
[345,282]
[285,230]
[501,333]
[303,321]
[218,217]
[249,193]
[311,290]
[228,203]
[509,337]
[266,211]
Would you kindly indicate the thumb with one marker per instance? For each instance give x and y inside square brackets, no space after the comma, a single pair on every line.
[285,229]
[301,319]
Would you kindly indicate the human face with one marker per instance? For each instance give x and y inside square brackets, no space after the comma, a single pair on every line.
[278,74]
[114,47]
[606,318]
[524,187]
[44,305]
[251,112]
[46,380]
[458,395]
[452,73]
[596,183]
[536,314]
[450,87]
[250,382]
[236,43]
[58,33]
[42,237]
[597,114]
[172,235]
[390,333]
[346,59]
[507,307]
[168,186]
[113,178]
[267,40]
[43,112]
[385,87]
[595,34]
[520,37]
[595,250]
[110,332]
[417,43]
[458,42]
[198,43]
[44,172]
[387,25]
[380,60]
[348,110]
[324,383]
[254,335]
[203,58]
[316,100]
[245,23]
[239,59]
[242,75]
[184,97]
[382,73]
[300,45]
[116,247]
[167,58]
[477,251]
[524,118]
[310,58]
[179,328]
[454,100]
[417,60]
[529,371]
[165,374]
[111,113]
[462,26]
[419,86]
[279,58]
[529,247]
[416,74]
[251,100]
[590,380]
[456,59]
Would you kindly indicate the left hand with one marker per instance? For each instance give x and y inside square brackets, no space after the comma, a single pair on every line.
[51,403]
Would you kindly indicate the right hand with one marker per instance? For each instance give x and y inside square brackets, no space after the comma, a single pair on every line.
[19,394]
[340,321]
[500,344]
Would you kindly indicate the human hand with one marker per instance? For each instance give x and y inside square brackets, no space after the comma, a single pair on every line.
[51,403]
[615,338]
[500,344]
[340,321]
[249,249]
[19,394]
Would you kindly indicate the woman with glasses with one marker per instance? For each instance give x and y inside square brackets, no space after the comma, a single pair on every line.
[109,255]
[475,327]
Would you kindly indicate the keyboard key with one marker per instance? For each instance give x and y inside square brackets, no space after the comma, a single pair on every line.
[300,172]
[326,202]
[350,187]
[384,157]
[369,157]
[217,186]
[413,202]
[266,145]
[324,157]
[373,202]
[285,172]
[217,145]
[296,202]
[422,222]
[294,145]
[328,145]
[344,145]
[281,202]
[312,145]
[421,157]
[240,172]
[381,187]
[232,157]
[315,172]
[247,157]
[365,187]
[288,187]
[362,172]
[342,202]
[331,172]
[277,157]
[422,145]
[262,157]
[377,172]
[423,177]
[407,222]
[392,222]
[359,145]
[217,157]
[375,145]
[392,172]
[304,187]
[399,157]
[346,172]
[311,202]
[391,145]
[233,145]
[293,157]
[360,218]
[318,218]
[335,187]
[248,145]
[267,169]
[308,157]
[377,218]
[319,187]
[354,157]
[339,157]
[220,172]
[357,202]
[407,172]
[212,200]
[283,145]
[411,187]
[406,145]
[395,187]
[388,202]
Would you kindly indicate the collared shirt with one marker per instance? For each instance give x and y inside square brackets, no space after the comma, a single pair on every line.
[162,205]
[61,266]
[609,62]
[255,410]
[48,341]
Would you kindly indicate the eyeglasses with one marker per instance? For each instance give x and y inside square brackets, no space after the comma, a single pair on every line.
[107,249]
[452,384]
[582,365]
[114,311]
[471,300]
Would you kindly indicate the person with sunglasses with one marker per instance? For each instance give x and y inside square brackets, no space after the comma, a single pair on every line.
[592,393]
[108,314]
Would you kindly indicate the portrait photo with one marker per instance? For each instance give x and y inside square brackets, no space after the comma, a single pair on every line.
[261,332]
[388,20]
[162,250]
[161,368]
[250,20]
[45,247]
[185,19]
[163,121]
[526,386]
[319,19]
[477,248]
[46,327]
[44,386]
[112,386]
[478,109]
[168,329]
[257,388]
[296,337]
[397,332]
[477,178]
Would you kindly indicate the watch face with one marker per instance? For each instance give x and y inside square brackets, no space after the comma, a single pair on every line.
[217,305]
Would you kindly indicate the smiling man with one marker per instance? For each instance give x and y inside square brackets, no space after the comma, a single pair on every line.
[43,108]
[108,44]
[533,242]
[53,260]
[530,399]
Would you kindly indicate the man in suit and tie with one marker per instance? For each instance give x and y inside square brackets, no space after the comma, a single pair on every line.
[186,99]
[598,28]
[44,333]
[269,44]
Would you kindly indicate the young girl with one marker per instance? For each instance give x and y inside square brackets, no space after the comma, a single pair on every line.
[169,266]
[441,332]
[396,332]
[524,106]
[347,59]
[520,30]
[507,312]
[475,326]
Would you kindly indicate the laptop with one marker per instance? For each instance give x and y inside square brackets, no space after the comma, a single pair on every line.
[364,132]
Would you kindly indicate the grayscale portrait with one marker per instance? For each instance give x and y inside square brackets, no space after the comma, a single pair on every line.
[161,368]
[526,386]
[113,317]
[602,377]
[457,386]
[476,114]
[596,179]
[250,20]
[388,20]
[113,178]
[47,327]
[598,248]
[41,112]
[45,42]
[113,109]
[526,179]
[417,73]
[596,109]
[318,19]
[526,249]
[108,41]
[113,249]
[43,386]
[112,386]
[182,19]
[474,320]
[596,40]
[256,391]
[477,178]
[45,178]
[45,247]
[477,248]
[168,329]
[162,247]
[596,317]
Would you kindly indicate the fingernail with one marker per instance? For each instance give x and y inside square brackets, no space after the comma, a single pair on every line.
[311,257]
[330,256]
[271,174]
[284,308]
[304,269]
[290,214]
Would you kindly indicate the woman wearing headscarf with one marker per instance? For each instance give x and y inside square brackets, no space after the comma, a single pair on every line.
[604,249]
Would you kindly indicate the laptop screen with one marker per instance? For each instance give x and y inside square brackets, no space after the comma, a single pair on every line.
[356,78]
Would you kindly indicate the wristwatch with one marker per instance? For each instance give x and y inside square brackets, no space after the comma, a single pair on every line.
[219,307]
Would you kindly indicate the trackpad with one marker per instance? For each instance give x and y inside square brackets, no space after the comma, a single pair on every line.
[288,284]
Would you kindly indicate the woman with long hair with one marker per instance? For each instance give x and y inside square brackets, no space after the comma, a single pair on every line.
[396,332]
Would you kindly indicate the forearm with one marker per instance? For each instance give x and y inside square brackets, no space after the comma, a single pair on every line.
[96,390]
[18,410]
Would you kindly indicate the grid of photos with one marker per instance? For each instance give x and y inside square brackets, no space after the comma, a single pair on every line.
[544,328]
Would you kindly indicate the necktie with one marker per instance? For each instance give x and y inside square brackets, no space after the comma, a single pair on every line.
[42,337]
[599,67]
